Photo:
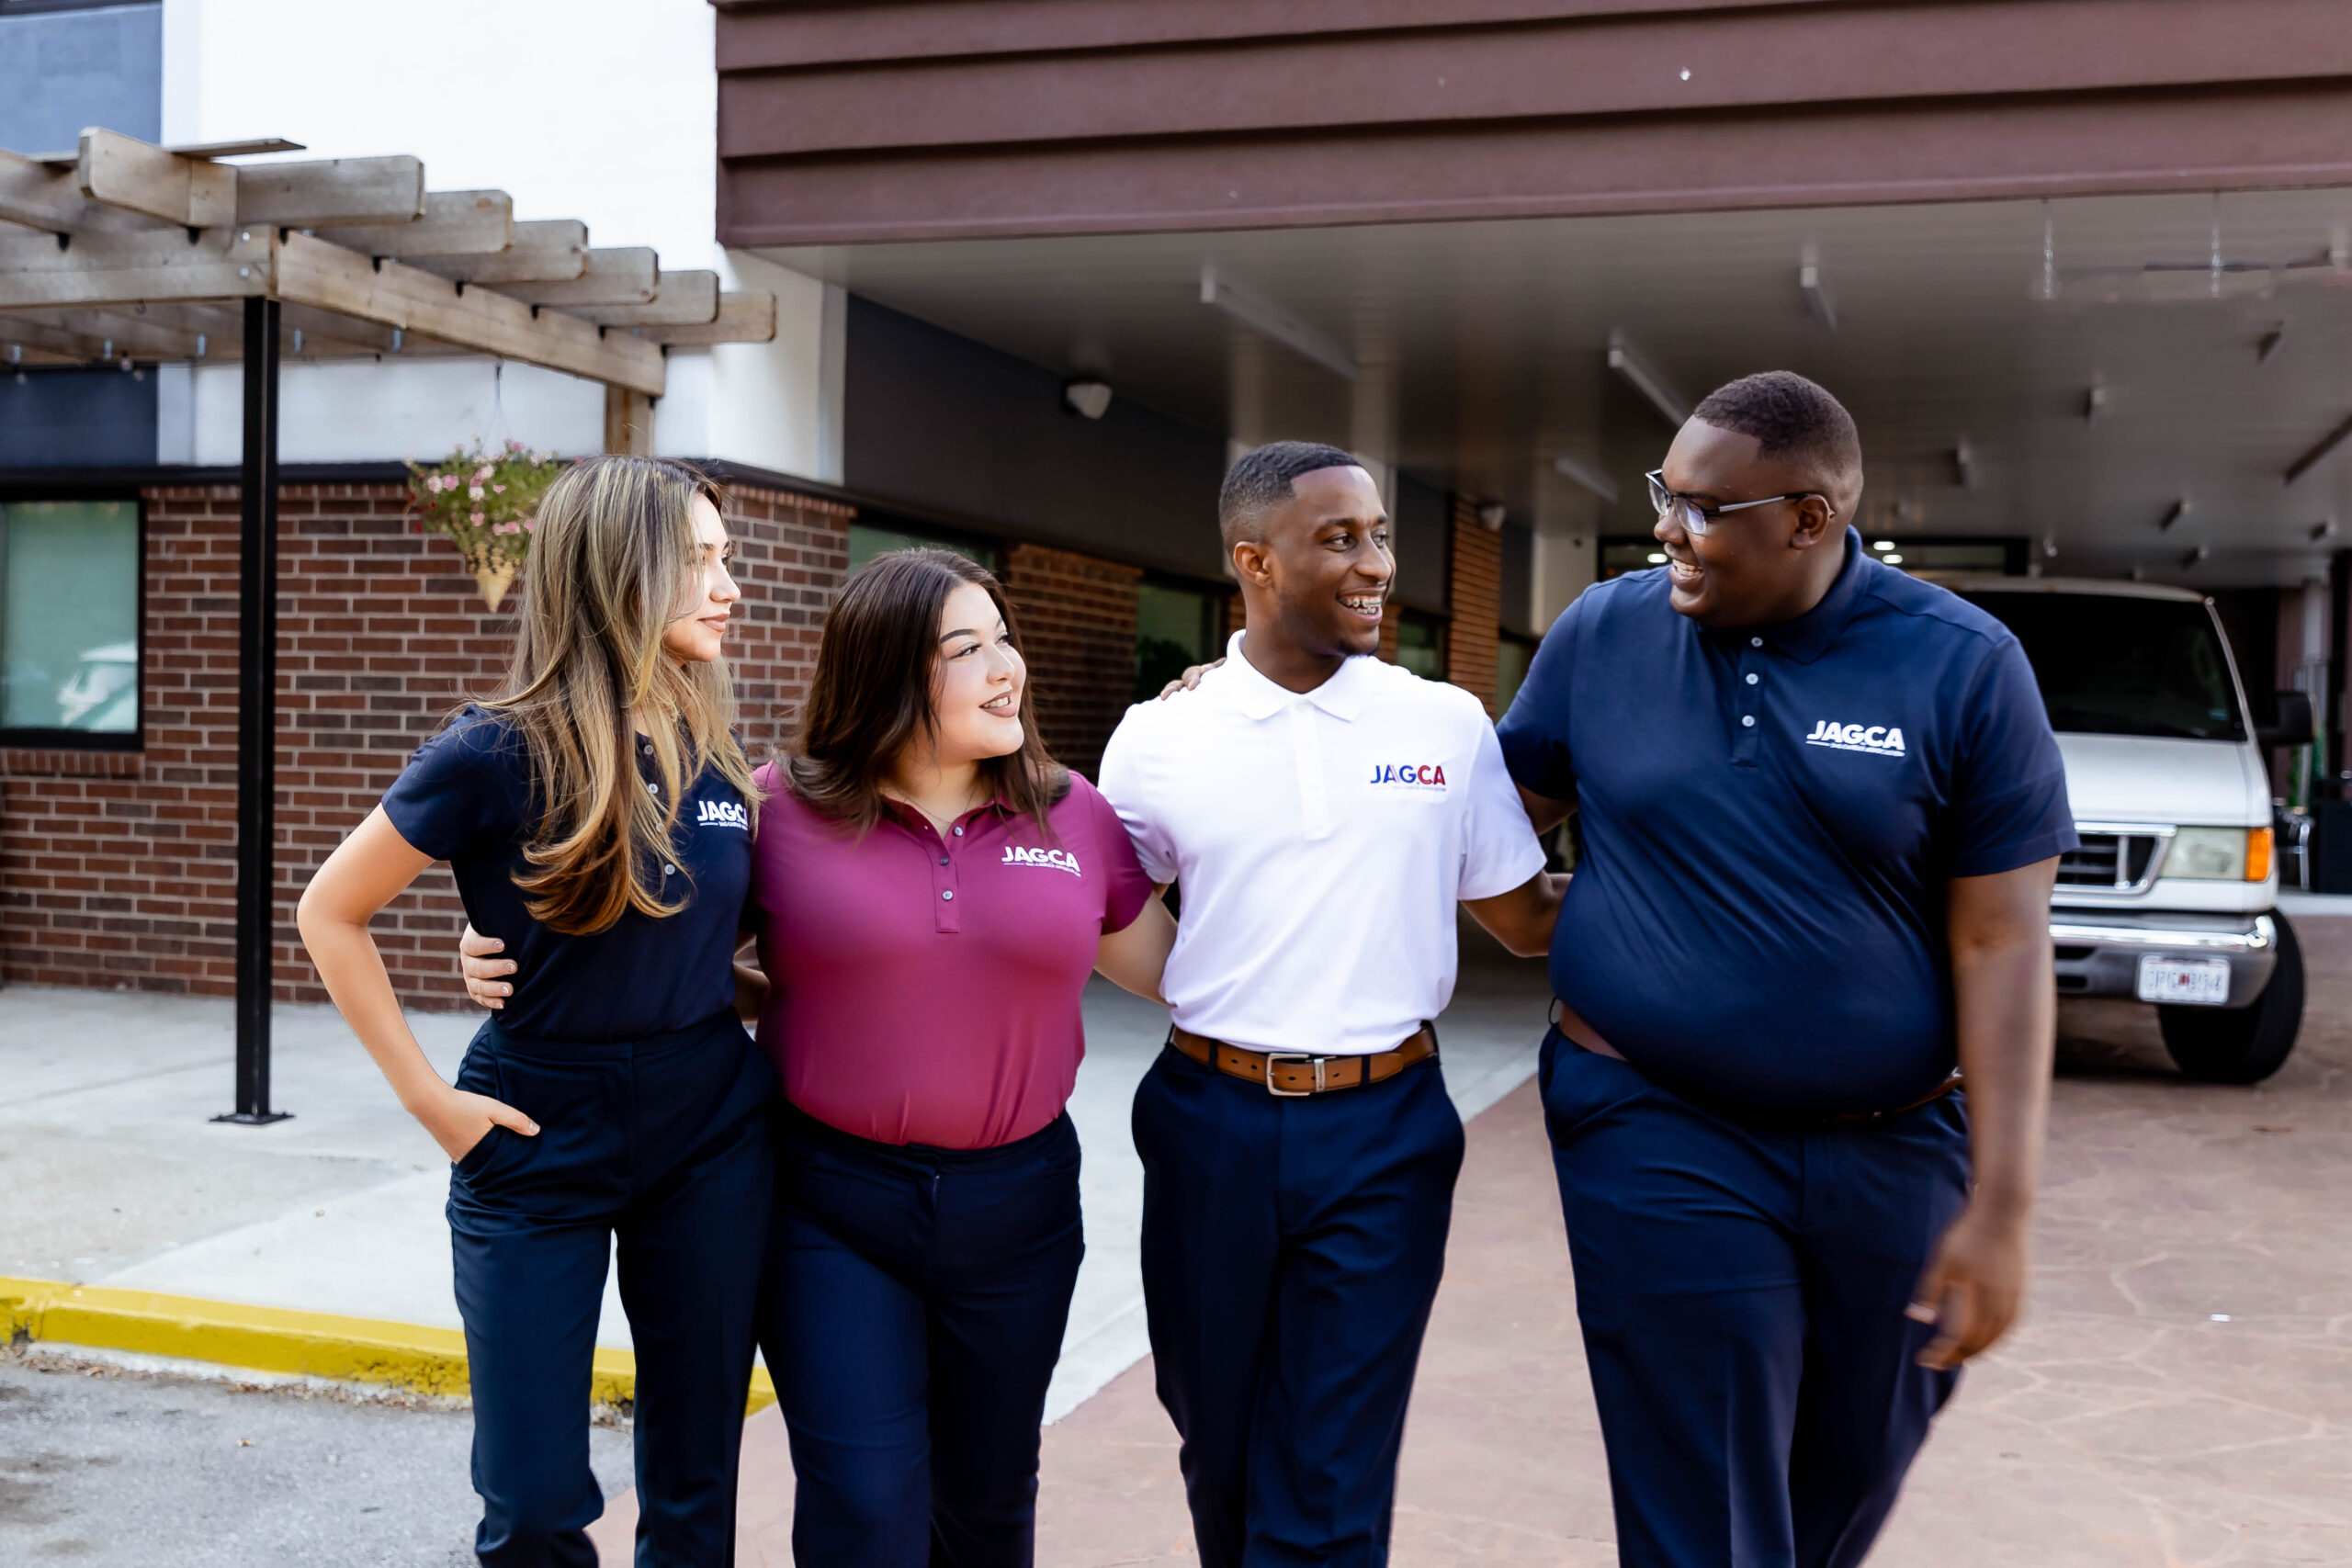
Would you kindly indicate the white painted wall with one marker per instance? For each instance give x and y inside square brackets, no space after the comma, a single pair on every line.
[604,110]
[346,412]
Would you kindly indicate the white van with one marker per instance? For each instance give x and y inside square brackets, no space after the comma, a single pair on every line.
[2173,897]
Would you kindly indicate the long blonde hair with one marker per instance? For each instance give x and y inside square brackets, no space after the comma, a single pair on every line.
[612,556]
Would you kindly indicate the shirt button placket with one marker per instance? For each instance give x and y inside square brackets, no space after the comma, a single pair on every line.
[1748,705]
[946,916]
[1306,755]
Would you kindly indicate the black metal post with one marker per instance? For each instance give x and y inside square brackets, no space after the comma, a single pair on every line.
[256,716]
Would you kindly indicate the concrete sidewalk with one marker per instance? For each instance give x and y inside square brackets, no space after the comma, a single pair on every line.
[111,1174]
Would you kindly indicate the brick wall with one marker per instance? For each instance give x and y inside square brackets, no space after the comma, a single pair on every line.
[117,870]
[1077,624]
[1475,588]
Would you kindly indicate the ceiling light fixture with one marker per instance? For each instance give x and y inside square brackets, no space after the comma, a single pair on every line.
[2195,555]
[1815,290]
[1883,544]
[2322,530]
[2050,544]
[1264,316]
[1624,359]
[1090,399]
[1592,478]
[1891,561]
[2173,513]
[2320,448]
[1493,515]
[1963,464]
[2094,400]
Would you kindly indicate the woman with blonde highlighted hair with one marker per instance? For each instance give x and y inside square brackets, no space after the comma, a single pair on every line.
[598,818]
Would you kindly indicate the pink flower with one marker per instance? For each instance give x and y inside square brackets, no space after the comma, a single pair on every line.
[474,494]
[530,524]
[480,518]
[484,473]
[498,490]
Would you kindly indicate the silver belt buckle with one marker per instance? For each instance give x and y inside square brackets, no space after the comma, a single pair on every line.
[1301,1058]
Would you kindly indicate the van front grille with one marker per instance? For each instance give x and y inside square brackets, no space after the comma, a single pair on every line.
[2116,862]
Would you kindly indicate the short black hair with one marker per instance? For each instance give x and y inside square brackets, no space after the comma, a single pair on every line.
[1260,480]
[1789,416]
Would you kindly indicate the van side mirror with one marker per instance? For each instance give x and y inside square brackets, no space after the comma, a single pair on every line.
[2294,725]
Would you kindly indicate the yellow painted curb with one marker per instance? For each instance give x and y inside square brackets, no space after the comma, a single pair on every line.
[405,1356]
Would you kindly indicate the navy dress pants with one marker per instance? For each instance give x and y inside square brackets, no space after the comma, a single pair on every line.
[1290,1250]
[915,1307]
[663,1142]
[1742,1293]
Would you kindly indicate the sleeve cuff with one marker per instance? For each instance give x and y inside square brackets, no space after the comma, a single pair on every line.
[1996,859]
[1516,868]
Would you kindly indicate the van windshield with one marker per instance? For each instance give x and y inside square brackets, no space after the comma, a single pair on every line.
[2111,665]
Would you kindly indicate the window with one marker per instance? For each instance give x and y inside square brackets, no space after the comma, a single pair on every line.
[1176,627]
[1514,653]
[1421,645]
[867,540]
[69,623]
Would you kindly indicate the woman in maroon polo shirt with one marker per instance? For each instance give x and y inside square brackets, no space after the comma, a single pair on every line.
[929,892]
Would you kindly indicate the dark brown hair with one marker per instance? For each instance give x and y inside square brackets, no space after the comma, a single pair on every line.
[871,694]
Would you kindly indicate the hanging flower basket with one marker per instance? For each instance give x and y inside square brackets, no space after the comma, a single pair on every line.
[486,504]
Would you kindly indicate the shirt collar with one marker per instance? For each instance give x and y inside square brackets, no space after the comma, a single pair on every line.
[1342,696]
[1808,636]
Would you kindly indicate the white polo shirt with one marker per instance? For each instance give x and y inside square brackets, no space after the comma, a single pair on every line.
[1321,840]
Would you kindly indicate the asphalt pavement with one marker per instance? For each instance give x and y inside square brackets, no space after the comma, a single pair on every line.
[104,1468]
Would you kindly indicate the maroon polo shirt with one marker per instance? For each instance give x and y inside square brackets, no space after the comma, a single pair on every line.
[924,989]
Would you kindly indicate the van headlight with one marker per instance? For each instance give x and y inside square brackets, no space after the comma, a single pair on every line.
[2219,855]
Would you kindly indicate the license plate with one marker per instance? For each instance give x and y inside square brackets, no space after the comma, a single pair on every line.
[2199,982]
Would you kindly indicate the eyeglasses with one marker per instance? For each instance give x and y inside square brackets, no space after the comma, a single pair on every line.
[1697,519]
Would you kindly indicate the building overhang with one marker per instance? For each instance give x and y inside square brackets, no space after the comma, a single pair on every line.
[909,120]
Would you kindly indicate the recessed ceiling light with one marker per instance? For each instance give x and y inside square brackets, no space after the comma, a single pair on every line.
[1657,559]
[1883,544]
[1891,561]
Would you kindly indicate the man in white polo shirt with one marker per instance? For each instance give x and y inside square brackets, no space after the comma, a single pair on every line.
[1322,812]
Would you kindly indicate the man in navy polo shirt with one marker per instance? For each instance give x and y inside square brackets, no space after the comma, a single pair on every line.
[1822,810]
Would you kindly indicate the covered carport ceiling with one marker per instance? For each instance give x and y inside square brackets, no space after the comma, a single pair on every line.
[1978,324]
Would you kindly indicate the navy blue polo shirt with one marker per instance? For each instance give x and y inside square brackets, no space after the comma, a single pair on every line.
[1769,818]
[466,798]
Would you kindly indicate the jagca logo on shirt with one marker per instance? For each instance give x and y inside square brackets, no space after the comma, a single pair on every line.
[1877,738]
[1060,860]
[722,814]
[1410,776]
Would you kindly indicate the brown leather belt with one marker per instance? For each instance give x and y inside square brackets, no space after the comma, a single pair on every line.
[1294,1075]
[1585,1037]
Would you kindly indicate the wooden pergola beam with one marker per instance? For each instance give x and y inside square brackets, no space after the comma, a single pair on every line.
[123,333]
[137,177]
[742,318]
[681,299]
[545,250]
[196,192]
[124,269]
[624,276]
[392,294]
[455,223]
[49,200]
[333,192]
